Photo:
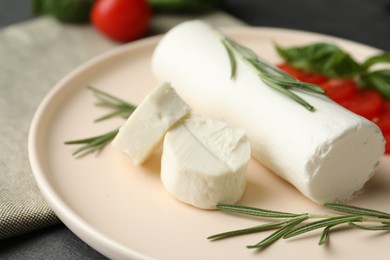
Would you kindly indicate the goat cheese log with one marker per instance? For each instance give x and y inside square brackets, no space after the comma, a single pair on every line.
[204,162]
[328,154]
[146,127]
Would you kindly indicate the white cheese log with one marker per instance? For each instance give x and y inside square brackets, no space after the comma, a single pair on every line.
[144,130]
[204,162]
[328,154]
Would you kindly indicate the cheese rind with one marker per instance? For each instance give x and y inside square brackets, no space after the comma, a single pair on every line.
[328,154]
[204,162]
[144,130]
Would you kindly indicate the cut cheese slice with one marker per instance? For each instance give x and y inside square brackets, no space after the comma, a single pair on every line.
[204,162]
[144,130]
[328,154]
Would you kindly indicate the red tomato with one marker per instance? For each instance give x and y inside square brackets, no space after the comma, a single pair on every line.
[304,76]
[339,89]
[387,138]
[121,20]
[366,102]
[383,119]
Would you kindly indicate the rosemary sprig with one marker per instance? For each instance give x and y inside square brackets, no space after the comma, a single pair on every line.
[119,107]
[93,144]
[270,75]
[290,225]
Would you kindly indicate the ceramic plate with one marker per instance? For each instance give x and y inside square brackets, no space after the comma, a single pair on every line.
[123,211]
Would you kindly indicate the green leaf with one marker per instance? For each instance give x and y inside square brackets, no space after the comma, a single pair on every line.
[285,91]
[92,144]
[324,238]
[255,229]
[380,58]
[322,223]
[378,80]
[70,11]
[322,58]
[245,210]
[385,227]
[243,50]
[38,6]
[232,59]
[356,210]
[279,233]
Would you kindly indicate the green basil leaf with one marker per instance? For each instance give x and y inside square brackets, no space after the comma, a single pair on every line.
[378,80]
[381,58]
[37,7]
[68,11]
[322,58]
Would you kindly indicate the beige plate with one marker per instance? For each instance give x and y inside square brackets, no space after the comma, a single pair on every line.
[123,211]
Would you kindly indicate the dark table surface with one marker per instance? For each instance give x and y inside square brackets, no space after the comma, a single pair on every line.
[365,21]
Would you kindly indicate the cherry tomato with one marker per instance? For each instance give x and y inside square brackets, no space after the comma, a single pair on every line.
[387,147]
[383,119]
[304,76]
[339,89]
[121,20]
[366,102]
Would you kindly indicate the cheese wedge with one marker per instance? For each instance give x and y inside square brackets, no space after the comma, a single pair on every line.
[328,154]
[204,162]
[144,130]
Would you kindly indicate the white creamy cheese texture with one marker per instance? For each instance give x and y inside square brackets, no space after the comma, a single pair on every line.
[204,162]
[328,154]
[144,130]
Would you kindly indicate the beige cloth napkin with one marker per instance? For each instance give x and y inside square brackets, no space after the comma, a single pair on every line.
[34,55]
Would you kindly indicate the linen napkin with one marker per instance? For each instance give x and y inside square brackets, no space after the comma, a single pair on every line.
[34,55]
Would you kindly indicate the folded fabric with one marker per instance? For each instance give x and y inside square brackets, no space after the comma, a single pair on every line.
[34,56]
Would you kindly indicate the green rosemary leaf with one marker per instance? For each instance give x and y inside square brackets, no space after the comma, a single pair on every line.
[122,113]
[105,97]
[119,106]
[279,233]
[324,238]
[255,229]
[289,94]
[284,78]
[385,227]
[322,223]
[92,144]
[232,59]
[245,210]
[357,210]
[309,88]
[243,50]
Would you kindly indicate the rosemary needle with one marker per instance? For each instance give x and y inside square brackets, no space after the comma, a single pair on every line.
[118,106]
[93,144]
